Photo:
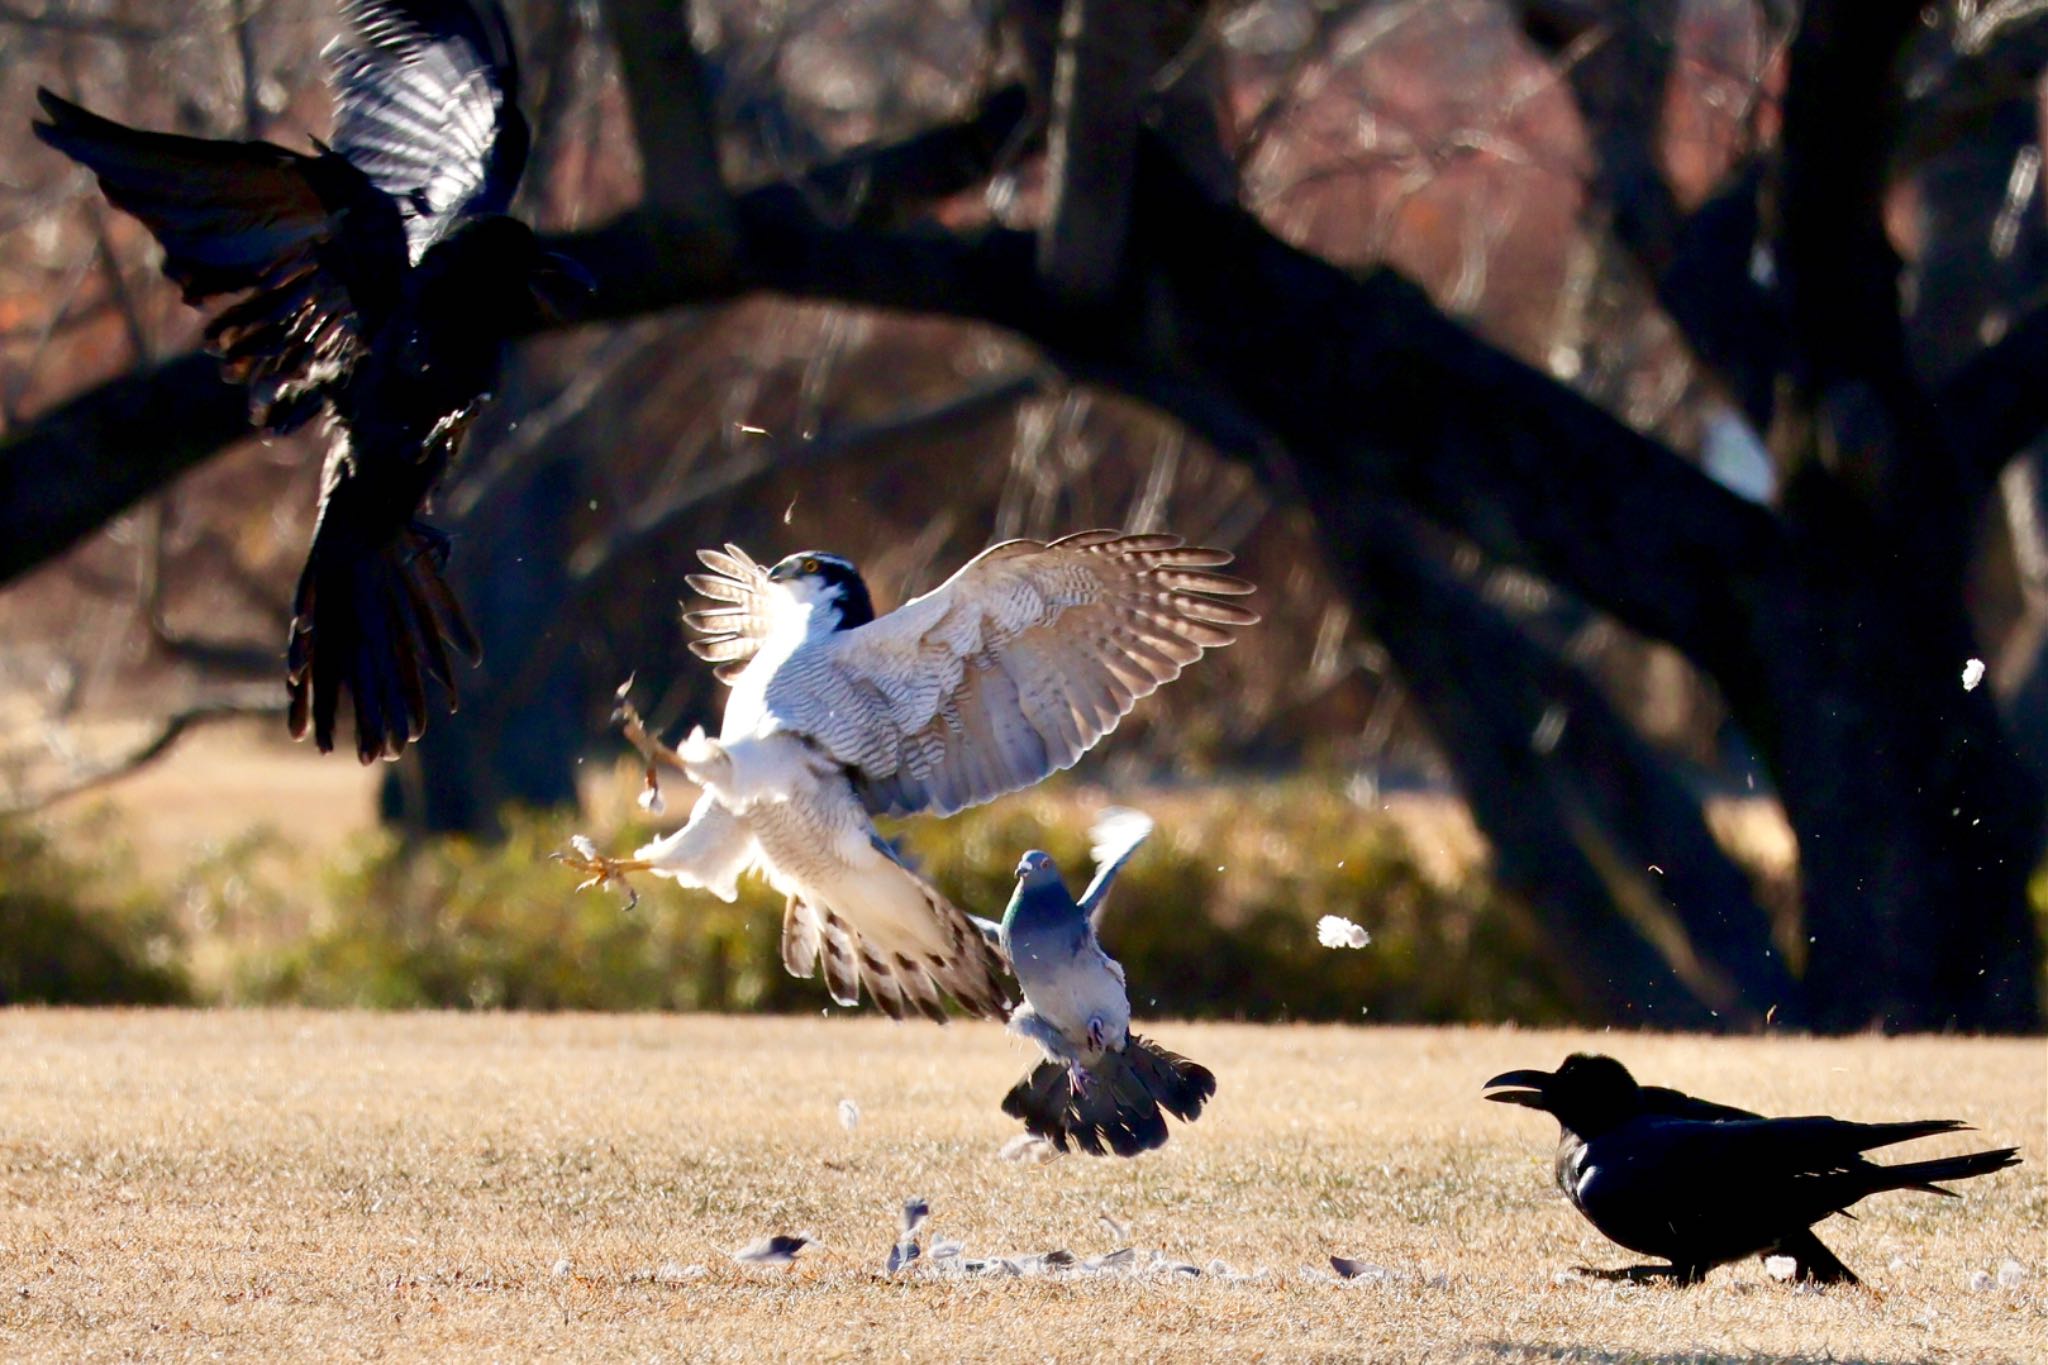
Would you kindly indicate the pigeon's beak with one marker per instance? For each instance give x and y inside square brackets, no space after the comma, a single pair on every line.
[1529,1092]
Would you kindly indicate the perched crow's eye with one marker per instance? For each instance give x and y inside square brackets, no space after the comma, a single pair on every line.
[810,566]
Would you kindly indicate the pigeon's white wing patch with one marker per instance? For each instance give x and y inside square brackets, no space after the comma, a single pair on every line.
[1116,834]
[1010,670]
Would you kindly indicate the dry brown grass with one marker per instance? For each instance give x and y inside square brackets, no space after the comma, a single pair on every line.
[323,1187]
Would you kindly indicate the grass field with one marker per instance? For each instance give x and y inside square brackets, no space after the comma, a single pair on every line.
[488,1187]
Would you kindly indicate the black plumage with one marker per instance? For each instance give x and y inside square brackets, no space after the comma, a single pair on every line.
[1702,1184]
[1114,1104]
[377,279]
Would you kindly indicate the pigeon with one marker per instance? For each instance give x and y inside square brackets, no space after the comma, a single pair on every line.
[1100,1086]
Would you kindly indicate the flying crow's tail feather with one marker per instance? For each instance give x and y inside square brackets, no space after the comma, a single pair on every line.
[1117,1106]
[374,621]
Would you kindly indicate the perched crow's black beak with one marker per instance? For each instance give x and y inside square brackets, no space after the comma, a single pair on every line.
[561,287]
[1530,1095]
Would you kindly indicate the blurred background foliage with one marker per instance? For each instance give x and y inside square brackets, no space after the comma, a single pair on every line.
[1469,145]
[1216,917]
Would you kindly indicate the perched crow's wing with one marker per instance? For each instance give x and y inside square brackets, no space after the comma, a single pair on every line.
[311,242]
[427,106]
[1116,836]
[732,629]
[1011,669]
[1658,1099]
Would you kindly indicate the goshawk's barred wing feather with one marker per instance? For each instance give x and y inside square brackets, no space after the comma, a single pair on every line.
[1011,669]
[733,628]
[427,106]
[899,981]
[309,239]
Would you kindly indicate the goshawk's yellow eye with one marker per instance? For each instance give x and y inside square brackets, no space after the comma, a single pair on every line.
[810,566]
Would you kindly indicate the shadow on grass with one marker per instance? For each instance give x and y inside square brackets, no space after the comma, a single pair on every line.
[1529,1353]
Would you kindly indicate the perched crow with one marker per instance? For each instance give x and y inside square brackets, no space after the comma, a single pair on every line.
[1100,1084]
[378,278]
[1702,1184]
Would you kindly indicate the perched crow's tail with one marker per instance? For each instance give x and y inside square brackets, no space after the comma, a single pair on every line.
[1117,1106]
[376,621]
[1813,1261]
[1922,1175]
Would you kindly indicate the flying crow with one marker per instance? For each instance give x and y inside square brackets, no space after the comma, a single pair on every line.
[1703,1184]
[1100,1085]
[377,279]
[1007,672]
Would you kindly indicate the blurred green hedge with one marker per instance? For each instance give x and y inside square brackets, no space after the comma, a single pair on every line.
[1214,918]
[68,936]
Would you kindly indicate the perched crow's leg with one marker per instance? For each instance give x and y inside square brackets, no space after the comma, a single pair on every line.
[1643,1274]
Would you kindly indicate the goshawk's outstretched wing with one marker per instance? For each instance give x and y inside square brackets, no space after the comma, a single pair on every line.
[732,629]
[1011,669]
[427,106]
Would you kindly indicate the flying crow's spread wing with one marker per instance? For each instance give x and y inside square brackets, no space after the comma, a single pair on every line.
[1011,669]
[314,245]
[426,106]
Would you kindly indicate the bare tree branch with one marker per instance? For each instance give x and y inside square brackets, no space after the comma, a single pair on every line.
[671,106]
[253,702]
[84,462]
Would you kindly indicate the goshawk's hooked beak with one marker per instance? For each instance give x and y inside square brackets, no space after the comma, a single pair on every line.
[782,573]
[1530,1091]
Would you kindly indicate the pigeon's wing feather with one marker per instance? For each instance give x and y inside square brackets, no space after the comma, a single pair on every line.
[313,245]
[731,628]
[427,106]
[1011,669]
[1116,835]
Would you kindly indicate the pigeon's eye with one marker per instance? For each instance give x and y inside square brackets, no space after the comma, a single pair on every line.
[810,566]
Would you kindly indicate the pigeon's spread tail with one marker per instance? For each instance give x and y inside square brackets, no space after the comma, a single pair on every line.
[1922,1175]
[1117,1106]
[376,622]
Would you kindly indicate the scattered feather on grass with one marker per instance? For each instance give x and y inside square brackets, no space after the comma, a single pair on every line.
[1028,1148]
[777,1250]
[849,1115]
